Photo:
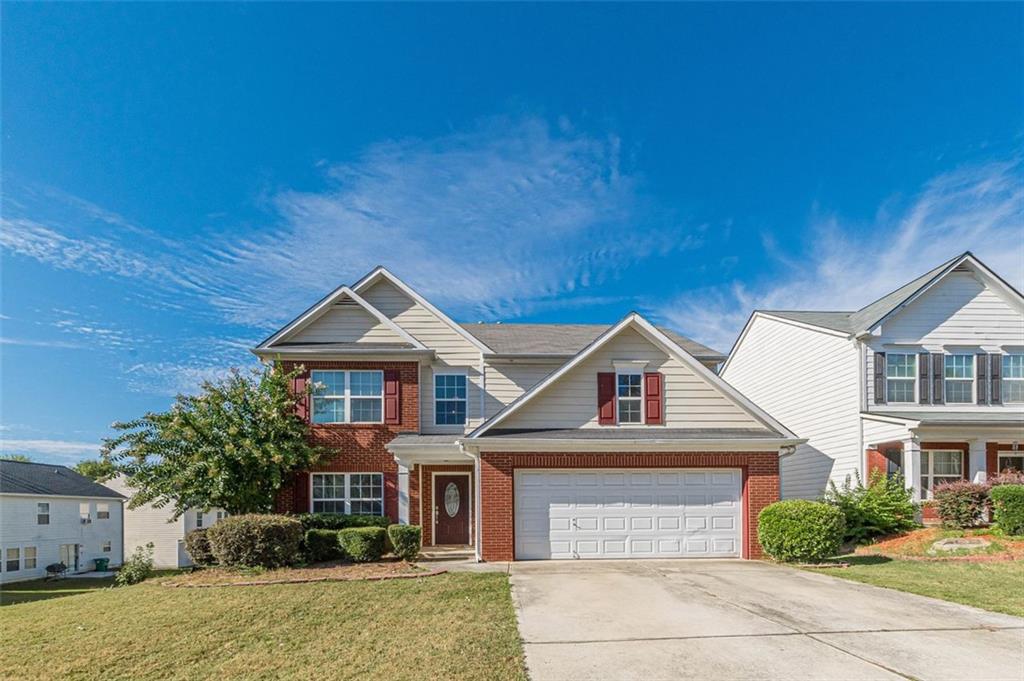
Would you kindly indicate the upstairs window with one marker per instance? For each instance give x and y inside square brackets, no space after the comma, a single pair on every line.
[1013,378]
[355,493]
[348,396]
[83,513]
[42,514]
[900,377]
[959,377]
[629,391]
[105,547]
[102,511]
[449,399]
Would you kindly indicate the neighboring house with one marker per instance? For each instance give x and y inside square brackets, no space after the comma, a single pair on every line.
[928,381]
[51,514]
[149,524]
[526,440]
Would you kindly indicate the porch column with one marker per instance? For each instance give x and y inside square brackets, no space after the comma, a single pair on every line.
[403,493]
[976,460]
[912,465]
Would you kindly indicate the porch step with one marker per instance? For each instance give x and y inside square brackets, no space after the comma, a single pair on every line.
[442,553]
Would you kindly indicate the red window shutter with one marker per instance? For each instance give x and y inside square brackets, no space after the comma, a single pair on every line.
[654,398]
[301,398]
[392,397]
[302,493]
[606,398]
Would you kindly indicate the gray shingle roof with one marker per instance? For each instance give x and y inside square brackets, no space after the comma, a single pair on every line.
[634,433]
[1005,418]
[19,477]
[563,339]
[867,316]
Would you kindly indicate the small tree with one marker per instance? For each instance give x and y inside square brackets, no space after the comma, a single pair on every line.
[99,469]
[231,446]
[16,457]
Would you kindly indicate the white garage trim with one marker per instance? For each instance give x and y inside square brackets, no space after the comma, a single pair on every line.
[583,513]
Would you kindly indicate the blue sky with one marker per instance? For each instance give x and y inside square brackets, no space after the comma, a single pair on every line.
[180,179]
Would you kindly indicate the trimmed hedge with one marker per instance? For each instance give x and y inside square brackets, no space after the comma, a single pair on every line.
[340,521]
[1008,508]
[405,540]
[961,504]
[362,544]
[197,544]
[800,530]
[256,540]
[323,545]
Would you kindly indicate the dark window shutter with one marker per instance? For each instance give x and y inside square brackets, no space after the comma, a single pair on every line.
[982,379]
[654,398]
[879,378]
[965,466]
[606,398]
[924,385]
[938,378]
[392,397]
[996,374]
[301,398]
[302,493]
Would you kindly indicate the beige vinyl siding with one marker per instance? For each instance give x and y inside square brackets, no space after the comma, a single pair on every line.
[347,324]
[146,524]
[690,401]
[453,351]
[808,381]
[506,382]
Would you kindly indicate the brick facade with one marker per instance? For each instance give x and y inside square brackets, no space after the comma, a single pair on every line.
[360,448]
[760,486]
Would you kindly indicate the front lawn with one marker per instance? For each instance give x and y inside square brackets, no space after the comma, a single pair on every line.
[45,589]
[458,626]
[995,586]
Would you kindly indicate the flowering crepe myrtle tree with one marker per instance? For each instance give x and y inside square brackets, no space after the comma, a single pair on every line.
[231,446]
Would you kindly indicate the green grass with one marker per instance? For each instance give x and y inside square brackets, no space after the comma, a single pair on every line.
[995,586]
[41,590]
[455,626]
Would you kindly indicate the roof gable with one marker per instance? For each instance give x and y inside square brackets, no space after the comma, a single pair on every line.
[636,323]
[563,339]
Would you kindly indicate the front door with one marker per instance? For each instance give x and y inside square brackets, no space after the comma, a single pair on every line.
[451,509]
[69,556]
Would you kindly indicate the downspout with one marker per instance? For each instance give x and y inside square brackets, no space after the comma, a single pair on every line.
[477,502]
[862,405]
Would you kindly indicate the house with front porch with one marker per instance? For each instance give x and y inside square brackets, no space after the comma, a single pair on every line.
[927,380]
[525,441]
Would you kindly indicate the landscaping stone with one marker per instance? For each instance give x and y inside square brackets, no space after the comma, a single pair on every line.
[960,543]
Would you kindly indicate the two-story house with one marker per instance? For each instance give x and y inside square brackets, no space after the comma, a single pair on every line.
[927,380]
[526,440]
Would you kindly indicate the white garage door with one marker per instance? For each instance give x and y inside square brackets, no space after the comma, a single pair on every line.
[636,513]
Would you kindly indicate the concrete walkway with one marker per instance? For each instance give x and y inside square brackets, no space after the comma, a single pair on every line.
[747,620]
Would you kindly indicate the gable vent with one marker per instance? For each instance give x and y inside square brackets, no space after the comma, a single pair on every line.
[346,303]
[962,268]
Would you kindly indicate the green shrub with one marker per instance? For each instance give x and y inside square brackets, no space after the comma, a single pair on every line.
[1008,508]
[882,508]
[138,567]
[800,530]
[197,544]
[321,545]
[256,540]
[961,504]
[405,540]
[362,544]
[340,521]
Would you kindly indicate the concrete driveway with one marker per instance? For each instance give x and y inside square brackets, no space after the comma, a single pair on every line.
[747,620]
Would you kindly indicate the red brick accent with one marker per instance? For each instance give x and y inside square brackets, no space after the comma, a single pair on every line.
[428,498]
[877,460]
[360,448]
[760,486]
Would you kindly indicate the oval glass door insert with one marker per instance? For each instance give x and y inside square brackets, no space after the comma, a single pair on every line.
[451,499]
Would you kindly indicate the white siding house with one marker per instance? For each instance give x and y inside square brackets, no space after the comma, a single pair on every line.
[51,514]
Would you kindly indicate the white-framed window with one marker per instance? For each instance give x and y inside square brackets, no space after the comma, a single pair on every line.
[938,466]
[105,547]
[83,512]
[629,393]
[354,493]
[450,399]
[221,515]
[30,558]
[1013,377]
[900,377]
[199,519]
[959,377]
[102,511]
[12,559]
[42,513]
[348,396]
[1010,461]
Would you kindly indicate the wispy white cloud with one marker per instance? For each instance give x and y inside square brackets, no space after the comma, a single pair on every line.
[846,265]
[57,451]
[29,342]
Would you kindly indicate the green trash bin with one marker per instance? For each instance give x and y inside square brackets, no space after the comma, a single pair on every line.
[101,564]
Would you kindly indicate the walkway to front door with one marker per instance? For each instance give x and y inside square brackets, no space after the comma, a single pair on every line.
[451,509]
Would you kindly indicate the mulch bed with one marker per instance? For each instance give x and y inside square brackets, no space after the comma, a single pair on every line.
[320,572]
[915,545]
